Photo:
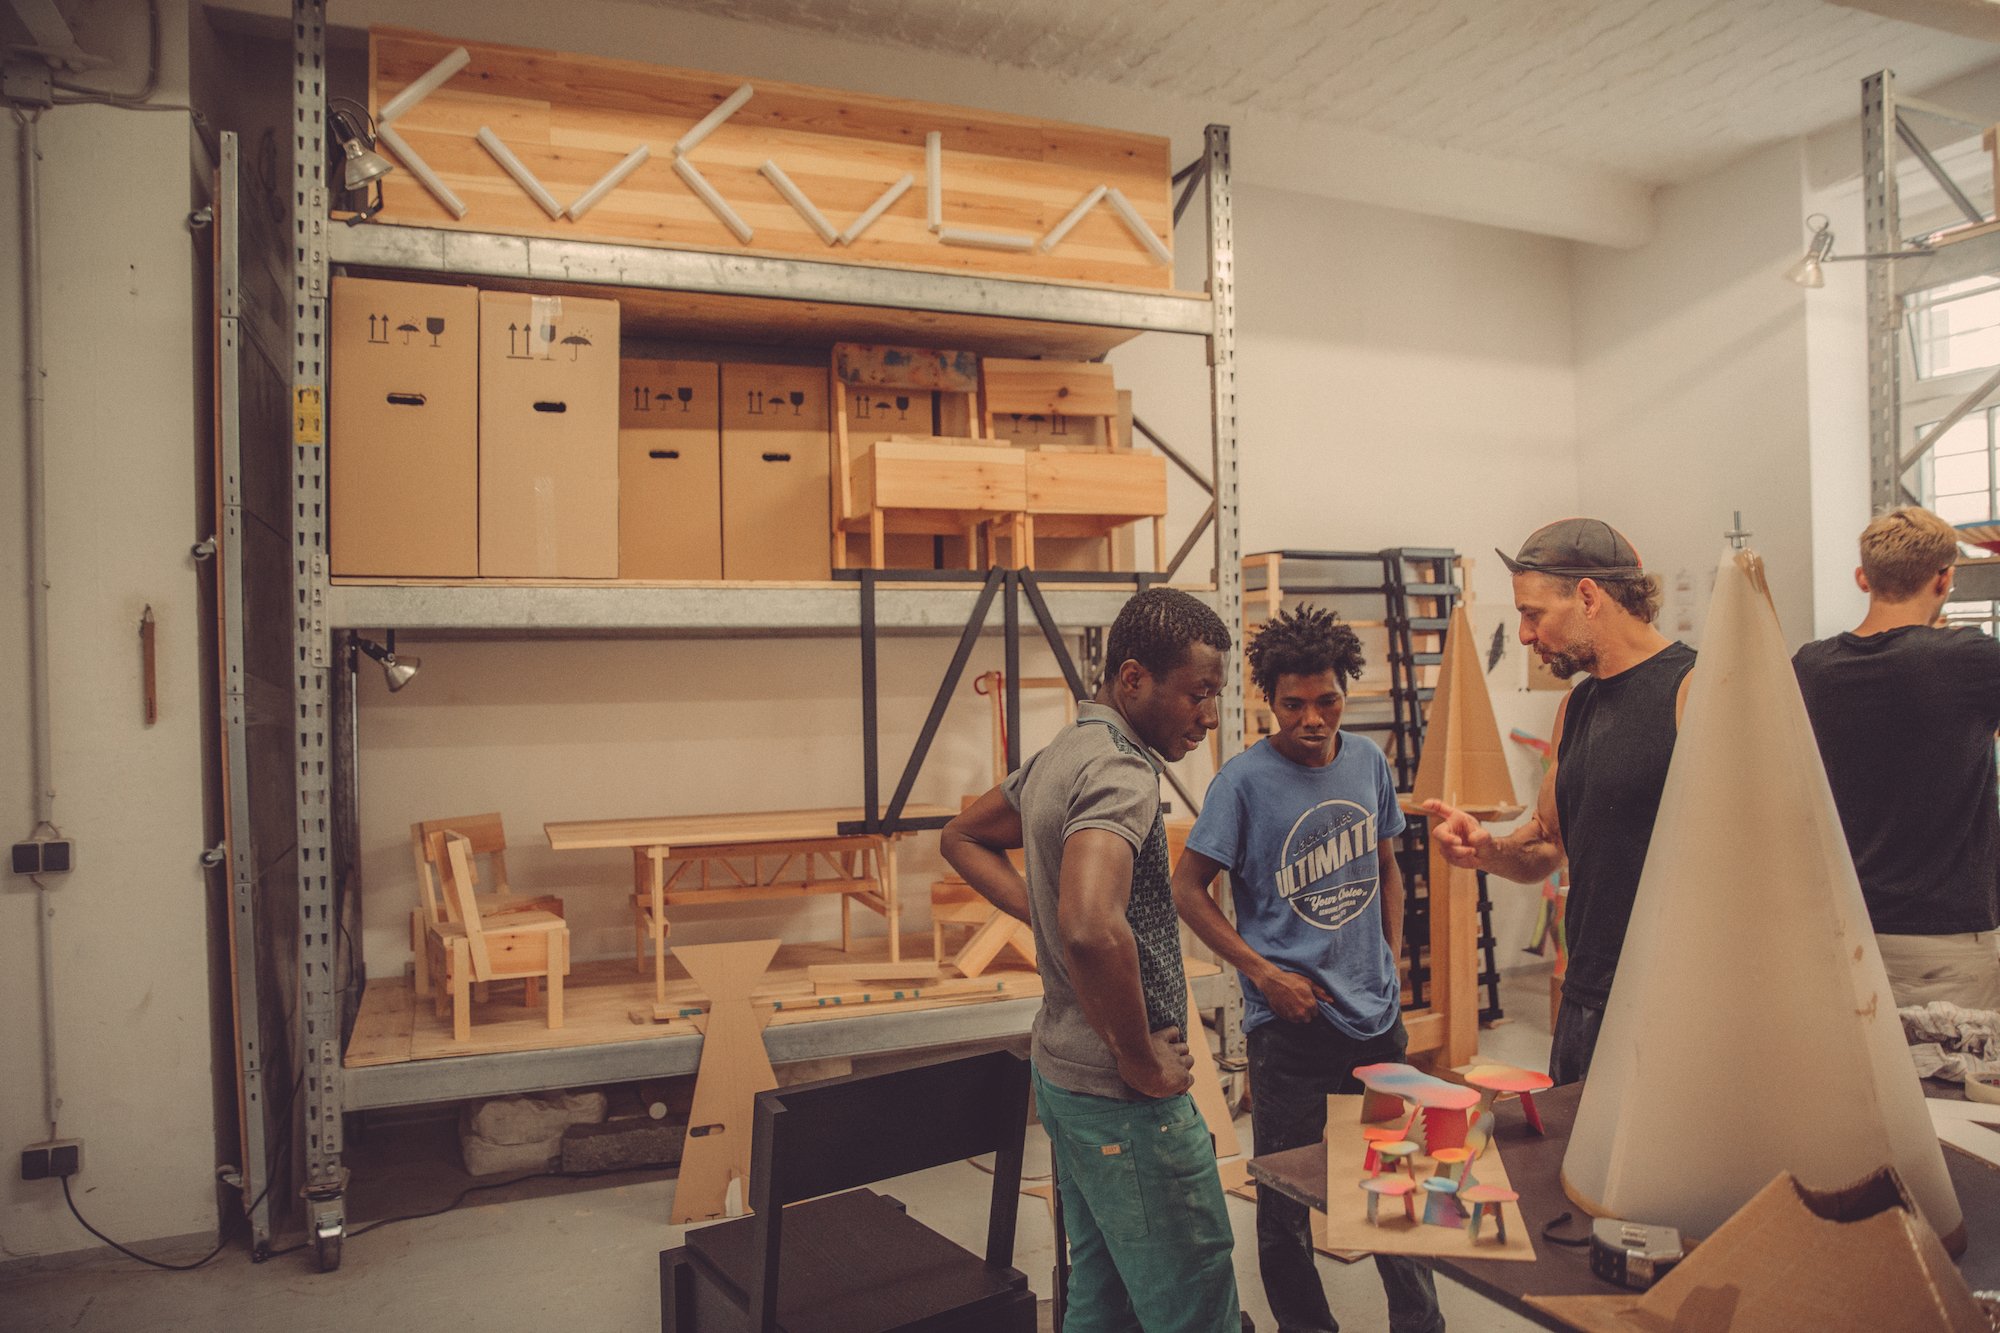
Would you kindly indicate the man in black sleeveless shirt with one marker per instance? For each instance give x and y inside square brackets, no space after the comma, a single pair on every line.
[1905,712]
[1587,605]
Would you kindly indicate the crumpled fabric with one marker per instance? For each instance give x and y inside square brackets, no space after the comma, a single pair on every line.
[1951,1043]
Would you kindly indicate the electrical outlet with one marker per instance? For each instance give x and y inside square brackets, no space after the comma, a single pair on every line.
[52,1160]
[44,856]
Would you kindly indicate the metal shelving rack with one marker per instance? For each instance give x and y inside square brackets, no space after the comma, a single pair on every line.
[1908,269]
[318,751]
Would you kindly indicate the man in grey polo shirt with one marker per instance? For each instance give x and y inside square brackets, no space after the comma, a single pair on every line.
[1150,1242]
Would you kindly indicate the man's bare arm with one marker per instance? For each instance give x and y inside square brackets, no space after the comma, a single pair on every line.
[1392,895]
[1103,958]
[1530,854]
[976,843]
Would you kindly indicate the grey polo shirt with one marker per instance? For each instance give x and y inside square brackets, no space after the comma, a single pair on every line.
[1097,774]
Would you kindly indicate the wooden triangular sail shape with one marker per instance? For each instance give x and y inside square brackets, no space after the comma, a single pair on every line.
[1750,1030]
[1464,761]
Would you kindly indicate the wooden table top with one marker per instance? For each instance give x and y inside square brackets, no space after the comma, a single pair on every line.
[715,830]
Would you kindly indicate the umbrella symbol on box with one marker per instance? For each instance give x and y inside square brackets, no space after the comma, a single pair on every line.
[406,329]
[576,342]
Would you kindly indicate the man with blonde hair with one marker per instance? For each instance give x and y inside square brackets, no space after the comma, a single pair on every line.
[1905,713]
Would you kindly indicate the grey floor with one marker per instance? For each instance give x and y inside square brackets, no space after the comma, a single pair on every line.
[586,1259]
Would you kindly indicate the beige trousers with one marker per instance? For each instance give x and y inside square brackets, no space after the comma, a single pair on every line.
[1964,969]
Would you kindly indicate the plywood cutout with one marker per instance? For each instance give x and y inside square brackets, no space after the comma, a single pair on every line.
[1750,1030]
[1207,1090]
[734,1069]
[1464,761]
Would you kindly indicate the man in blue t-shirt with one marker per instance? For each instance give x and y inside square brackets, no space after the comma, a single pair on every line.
[1305,821]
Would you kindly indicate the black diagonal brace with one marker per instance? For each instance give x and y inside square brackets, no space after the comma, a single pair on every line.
[891,820]
[1032,587]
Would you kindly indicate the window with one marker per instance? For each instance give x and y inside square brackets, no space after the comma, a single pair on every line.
[1958,476]
[1956,328]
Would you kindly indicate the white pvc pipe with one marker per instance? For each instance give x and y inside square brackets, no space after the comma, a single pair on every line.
[590,198]
[420,169]
[1137,225]
[423,87]
[35,446]
[934,179]
[1062,229]
[707,124]
[876,210]
[716,204]
[519,171]
[797,199]
[991,240]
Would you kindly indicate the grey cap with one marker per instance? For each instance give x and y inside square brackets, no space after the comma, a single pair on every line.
[1576,548]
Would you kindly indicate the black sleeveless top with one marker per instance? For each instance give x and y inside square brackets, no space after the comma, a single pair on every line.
[1618,737]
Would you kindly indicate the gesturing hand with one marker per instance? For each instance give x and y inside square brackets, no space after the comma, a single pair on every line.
[1463,839]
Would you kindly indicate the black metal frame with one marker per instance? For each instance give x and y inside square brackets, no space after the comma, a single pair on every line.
[1009,585]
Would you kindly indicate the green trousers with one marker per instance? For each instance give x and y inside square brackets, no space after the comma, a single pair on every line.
[1149,1239]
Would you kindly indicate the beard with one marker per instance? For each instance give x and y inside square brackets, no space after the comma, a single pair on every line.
[1583,657]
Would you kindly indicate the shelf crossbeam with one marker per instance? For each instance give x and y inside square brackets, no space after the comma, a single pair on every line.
[484,254]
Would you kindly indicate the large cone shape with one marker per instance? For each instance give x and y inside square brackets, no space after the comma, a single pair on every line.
[1464,762]
[1750,1030]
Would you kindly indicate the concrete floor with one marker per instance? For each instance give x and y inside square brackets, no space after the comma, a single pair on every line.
[585,1258]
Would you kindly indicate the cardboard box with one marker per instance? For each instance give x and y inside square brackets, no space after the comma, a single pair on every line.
[669,470]
[776,509]
[548,436]
[403,429]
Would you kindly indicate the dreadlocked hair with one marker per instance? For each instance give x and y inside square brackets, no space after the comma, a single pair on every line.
[1304,642]
[1155,628]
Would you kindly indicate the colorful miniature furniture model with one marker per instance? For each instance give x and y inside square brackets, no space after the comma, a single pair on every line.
[1495,1079]
[817,1252]
[1443,1105]
[530,947]
[1393,1155]
[1487,1199]
[1396,1187]
[1377,1135]
[1441,1208]
[489,840]
[1451,1163]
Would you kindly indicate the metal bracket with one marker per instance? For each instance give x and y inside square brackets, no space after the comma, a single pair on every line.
[201,217]
[215,855]
[203,549]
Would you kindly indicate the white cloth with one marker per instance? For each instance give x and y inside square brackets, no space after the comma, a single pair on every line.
[1952,1043]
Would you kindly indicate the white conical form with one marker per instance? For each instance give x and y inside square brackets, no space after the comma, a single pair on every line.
[1750,1030]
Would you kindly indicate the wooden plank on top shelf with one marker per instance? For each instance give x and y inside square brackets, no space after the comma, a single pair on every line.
[571,118]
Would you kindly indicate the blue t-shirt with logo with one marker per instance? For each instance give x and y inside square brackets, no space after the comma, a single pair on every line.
[1301,845]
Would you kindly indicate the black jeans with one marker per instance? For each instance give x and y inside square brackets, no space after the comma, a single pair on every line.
[1293,1069]
[1575,1041]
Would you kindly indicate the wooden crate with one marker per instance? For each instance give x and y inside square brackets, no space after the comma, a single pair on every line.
[570,119]
[1117,487]
[976,479]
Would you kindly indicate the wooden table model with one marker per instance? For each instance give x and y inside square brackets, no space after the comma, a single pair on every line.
[1534,1164]
[859,867]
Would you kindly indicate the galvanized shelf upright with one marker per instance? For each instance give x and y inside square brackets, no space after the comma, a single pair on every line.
[1899,269]
[321,758]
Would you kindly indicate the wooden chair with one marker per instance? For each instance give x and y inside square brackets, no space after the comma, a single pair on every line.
[857,1259]
[524,946]
[913,482]
[488,837]
[1077,486]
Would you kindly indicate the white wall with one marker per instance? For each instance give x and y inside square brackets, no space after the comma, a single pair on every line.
[1691,387]
[133,1006]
